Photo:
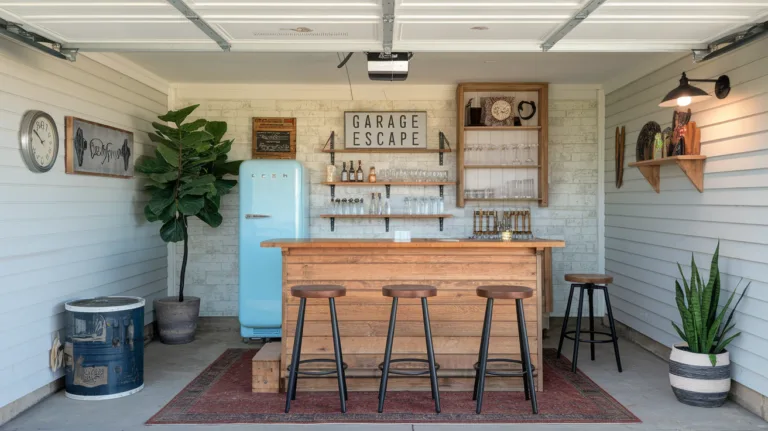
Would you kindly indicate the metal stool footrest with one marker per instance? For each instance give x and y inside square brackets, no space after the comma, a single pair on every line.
[318,372]
[521,373]
[404,372]
[573,337]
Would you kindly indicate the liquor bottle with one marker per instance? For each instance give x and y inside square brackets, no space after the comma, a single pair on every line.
[344,173]
[360,171]
[351,178]
[379,206]
[387,209]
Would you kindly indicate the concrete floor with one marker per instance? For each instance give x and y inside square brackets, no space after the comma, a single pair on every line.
[643,388]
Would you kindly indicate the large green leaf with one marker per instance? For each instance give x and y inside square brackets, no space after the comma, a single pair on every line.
[169,154]
[730,316]
[150,216]
[190,205]
[224,186]
[231,168]
[194,139]
[707,304]
[214,200]
[189,183]
[210,215]
[156,138]
[217,129]
[151,165]
[160,200]
[168,131]
[680,332]
[173,230]
[194,125]
[178,117]
[165,177]
[223,148]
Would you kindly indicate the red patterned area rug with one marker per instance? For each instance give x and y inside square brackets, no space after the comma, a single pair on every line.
[222,395]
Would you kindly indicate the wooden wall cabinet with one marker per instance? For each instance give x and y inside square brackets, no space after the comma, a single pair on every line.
[534,128]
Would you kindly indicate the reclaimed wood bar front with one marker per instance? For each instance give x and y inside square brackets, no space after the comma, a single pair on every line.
[454,267]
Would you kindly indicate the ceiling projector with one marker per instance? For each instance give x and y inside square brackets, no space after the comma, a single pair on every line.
[388,67]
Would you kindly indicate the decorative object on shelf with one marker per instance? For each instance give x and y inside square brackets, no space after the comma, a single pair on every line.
[692,139]
[520,106]
[679,120]
[511,224]
[692,166]
[473,116]
[658,147]
[644,147]
[372,175]
[666,136]
[39,140]
[396,130]
[274,138]
[498,111]
[685,93]
[182,187]
[699,368]
[330,173]
[619,142]
[96,149]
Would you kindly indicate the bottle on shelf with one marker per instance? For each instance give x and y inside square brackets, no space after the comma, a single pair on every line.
[361,208]
[360,178]
[344,173]
[372,175]
[379,206]
[387,209]
[351,177]
[372,207]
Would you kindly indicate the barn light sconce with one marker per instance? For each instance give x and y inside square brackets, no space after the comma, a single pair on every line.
[685,93]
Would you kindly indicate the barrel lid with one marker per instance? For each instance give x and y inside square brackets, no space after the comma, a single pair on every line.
[105,304]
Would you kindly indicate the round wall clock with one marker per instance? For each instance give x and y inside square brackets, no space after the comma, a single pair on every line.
[501,110]
[39,141]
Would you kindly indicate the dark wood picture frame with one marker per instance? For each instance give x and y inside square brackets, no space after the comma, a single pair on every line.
[70,152]
[277,126]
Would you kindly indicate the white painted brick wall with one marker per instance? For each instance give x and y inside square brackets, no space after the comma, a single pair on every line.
[572,215]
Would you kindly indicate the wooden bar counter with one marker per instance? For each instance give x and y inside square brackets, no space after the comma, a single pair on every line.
[456,268]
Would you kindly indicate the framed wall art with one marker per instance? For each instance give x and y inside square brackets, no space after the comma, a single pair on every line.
[97,149]
[274,138]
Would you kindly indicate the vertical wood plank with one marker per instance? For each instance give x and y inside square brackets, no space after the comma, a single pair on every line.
[544,145]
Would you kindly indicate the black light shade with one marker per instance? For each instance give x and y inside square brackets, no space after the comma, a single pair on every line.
[685,91]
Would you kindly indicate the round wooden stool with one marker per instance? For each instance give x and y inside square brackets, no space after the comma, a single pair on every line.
[518,293]
[409,291]
[590,283]
[330,292]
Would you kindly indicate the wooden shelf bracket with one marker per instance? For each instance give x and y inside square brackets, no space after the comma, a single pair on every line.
[692,166]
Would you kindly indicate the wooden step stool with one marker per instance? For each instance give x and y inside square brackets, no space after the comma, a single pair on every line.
[266,369]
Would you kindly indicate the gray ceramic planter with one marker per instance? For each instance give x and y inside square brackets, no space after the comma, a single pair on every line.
[177,321]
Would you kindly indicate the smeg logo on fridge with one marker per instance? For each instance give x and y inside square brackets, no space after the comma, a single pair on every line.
[272,176]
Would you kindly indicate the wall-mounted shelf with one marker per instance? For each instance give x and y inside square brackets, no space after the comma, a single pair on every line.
[692,166]
[506,128]
[386,218]
[330,147]
[388,185]
[538,125]
[501,166]
[503,199]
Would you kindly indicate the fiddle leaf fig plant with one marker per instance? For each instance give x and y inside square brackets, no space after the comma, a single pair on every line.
[186,176]
[704,329]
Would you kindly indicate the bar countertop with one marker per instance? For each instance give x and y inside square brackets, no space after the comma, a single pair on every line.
[415,243]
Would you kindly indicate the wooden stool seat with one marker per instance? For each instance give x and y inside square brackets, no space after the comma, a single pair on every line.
[505,292]
[319,291]
[589,278]
[409,291]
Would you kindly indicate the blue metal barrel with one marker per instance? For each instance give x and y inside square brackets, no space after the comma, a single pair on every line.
[104,348]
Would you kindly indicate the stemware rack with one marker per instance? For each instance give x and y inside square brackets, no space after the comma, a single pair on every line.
[536,126]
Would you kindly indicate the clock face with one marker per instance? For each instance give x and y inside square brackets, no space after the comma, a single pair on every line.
[501,110]
[39,141]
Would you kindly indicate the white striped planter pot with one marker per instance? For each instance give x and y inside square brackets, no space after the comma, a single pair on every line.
[695,381]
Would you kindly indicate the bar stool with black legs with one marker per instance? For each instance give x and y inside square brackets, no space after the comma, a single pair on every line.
[321,292]
[518,293]
[409,291]
[590,283]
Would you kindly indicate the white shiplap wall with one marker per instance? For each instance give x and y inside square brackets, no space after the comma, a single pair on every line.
[647,233]
[67,236]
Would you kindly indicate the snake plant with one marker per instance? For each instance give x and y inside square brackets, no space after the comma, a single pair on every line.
[703,326]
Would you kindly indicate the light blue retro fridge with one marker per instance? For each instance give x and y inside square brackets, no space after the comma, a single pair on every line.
[274,203]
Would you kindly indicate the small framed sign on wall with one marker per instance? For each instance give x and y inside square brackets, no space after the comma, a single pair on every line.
[96,149]
[397,130]
[274,138]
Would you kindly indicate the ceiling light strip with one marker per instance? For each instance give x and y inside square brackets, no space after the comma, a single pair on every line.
[200,23]
[388,17]
[566,28]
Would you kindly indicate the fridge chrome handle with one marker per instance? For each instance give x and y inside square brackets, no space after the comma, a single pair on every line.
[250,216]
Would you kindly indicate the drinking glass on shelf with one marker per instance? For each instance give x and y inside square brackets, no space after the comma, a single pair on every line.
[491,154]
[529,160]
[515,160]
[407,206]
